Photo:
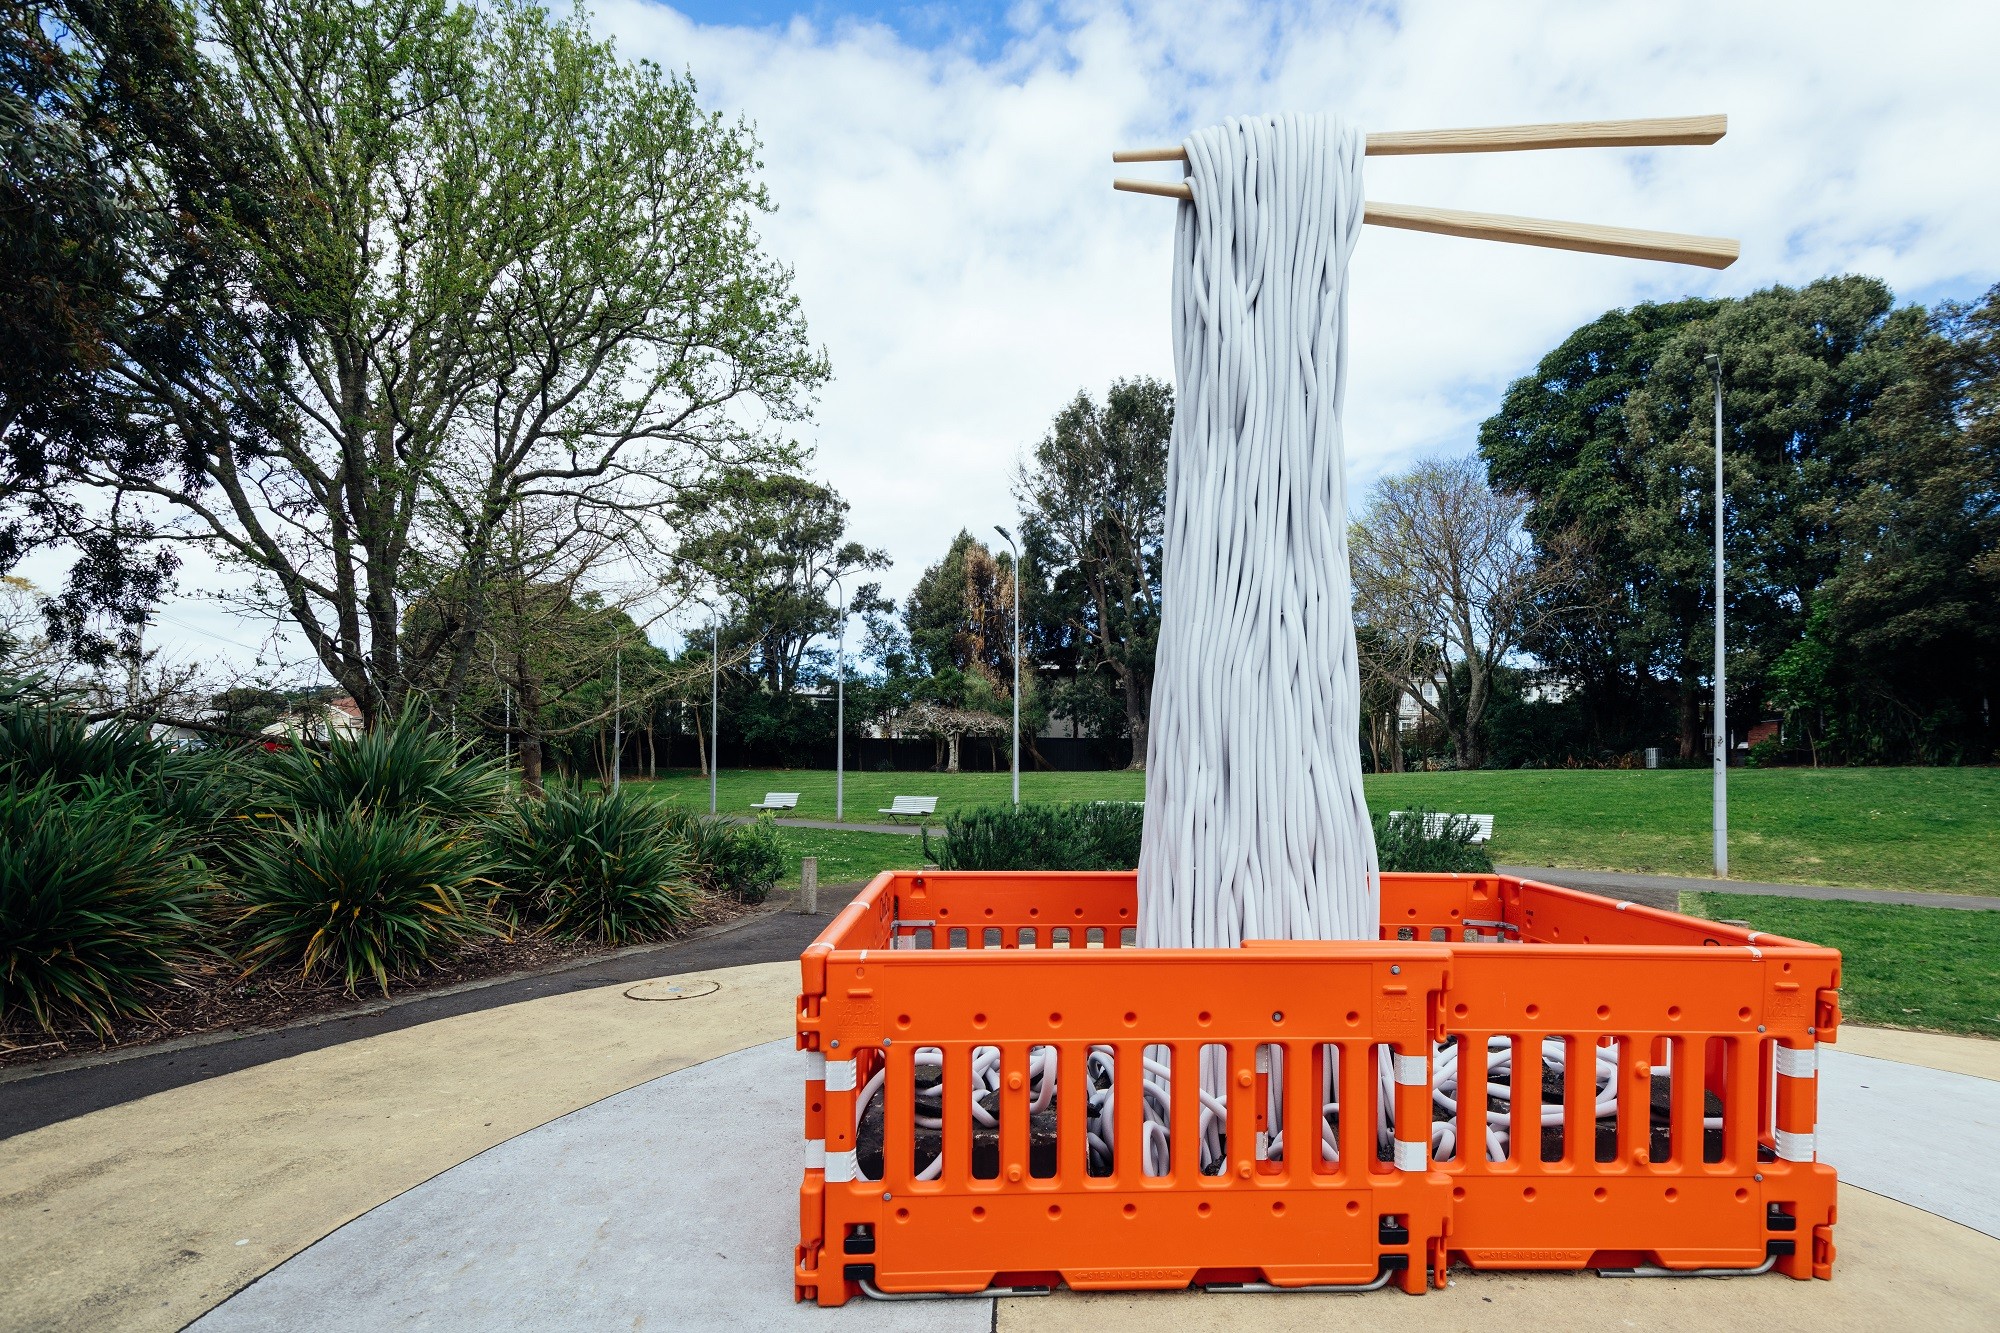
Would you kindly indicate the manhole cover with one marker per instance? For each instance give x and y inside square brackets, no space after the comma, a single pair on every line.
[672,990]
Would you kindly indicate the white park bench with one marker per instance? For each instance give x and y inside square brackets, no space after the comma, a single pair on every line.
[1434,823]
[777,800]
[910,805]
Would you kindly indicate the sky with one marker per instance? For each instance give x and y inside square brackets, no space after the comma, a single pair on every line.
[942,174]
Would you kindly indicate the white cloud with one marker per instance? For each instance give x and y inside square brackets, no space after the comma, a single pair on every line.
[961,256]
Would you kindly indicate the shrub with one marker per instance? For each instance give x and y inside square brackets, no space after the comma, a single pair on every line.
[594,865]
[1096,835]
[196,790]
[97,902]
[753,859]
[358,892]
[732,860]
[399,768]
[1403,841]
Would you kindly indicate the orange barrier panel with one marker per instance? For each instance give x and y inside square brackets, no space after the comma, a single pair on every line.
[1001,1093]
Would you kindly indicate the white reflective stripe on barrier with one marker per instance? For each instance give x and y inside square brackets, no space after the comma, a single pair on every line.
[1411,1156]
[815,1066]
[815,1153]
[1796,1147]
[840,1076]
[1413,1070]
[840,1166]
[1799,1062]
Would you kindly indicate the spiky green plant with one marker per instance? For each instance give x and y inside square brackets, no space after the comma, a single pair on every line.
[594,865]
[357,893]
[195,789]
[98,902]
[725,858]
[400,768]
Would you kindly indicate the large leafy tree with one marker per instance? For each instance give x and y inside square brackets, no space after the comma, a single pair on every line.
[1093,503]
[1612,439]
[135,200]
[1901,646]
[512,268]
[771,553]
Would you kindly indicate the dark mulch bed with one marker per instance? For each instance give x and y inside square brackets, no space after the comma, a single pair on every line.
[215,996]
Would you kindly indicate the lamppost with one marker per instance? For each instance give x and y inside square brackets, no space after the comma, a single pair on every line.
[1009,538]
[840,711]
[617,715]
[714,706]
[1721,819]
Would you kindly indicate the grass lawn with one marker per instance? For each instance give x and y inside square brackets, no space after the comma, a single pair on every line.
[868,793]
[1910,967]
[845,857]
[1932,829]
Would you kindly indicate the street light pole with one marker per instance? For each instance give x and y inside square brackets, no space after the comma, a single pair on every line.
[1721,820]
[1009,537]
[617,715]
[714,707]
[840,712]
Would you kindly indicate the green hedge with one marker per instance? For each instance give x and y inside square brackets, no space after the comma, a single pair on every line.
[1104,835]
[1086,835]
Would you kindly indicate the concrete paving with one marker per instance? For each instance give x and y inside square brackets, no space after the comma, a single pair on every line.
[1665,890]
[1920,1135]
[588,1119]
[146,1214]
[674,1205]
[608,1218]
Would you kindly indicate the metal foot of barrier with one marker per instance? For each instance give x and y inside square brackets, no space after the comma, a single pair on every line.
[1259,1288]
[873,1292]
[1764,1267]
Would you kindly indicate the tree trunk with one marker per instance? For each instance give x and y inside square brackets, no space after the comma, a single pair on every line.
[1135,721]
[951,764]
[1468,740]
[531,765]
[701,742]
[1396,742]
[1690,719]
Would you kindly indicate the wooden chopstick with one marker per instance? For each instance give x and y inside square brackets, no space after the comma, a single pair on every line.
[1659,132]
[1589,237]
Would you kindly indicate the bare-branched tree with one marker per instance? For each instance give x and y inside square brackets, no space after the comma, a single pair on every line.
[1446,585]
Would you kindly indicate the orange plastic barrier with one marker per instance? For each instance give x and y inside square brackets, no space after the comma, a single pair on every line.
[1707,1035]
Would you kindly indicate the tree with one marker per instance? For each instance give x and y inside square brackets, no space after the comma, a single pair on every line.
[960,613]
[1902,643]
[1093,504]
[1447,581]
[1612,440]
[512,268]
[774,545]
[1561,437]
[134,202]
[948,726]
